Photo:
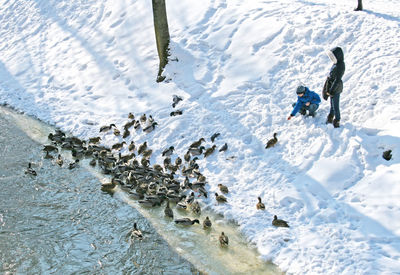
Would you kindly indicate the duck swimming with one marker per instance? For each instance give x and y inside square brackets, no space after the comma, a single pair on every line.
[186,221]
[207,223]
[30,170]
[136,233]
[59,160]
[223,240]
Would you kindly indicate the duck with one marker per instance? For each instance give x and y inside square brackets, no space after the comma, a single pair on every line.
[147,153]
[93,162]
[48,156]
[387,155]
[135,195]
[224,189]
[118,146]
[202,191]
[178,161]
[186,221]
[30,170]
[279,223]
[260,205]
[150,128]
[176,113]
[271,142]
[223,148]
[94,140]
[131,116]
[142,147]
[167,162]
[186,157]
[136,126]
[195,151]
[214,136]
[158,168]
[168,152]
[129,124]
[209,151]
[220,198]
[168,211]
[181,205]
[223,240]
[190,198]
[143,118]
[106,128]
[207,223]
[50,148]
[131,146]
[126,133]
[145,162]
[197,143]
[147,203]
[196,208]
[59,160]
[136,233]
[175,100]
[73,165]
[108,186]
[117,132]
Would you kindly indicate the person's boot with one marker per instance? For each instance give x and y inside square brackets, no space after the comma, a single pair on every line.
[336,123]
[329,119]
[303,112]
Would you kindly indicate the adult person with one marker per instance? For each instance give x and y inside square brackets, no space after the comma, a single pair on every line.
[334,85]
[306,100]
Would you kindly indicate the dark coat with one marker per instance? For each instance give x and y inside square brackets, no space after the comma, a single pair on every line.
[334,83]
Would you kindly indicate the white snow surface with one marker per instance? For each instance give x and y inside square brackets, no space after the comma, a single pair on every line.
[82,64]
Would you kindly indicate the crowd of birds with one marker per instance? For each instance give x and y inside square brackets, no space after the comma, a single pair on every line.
[178,183]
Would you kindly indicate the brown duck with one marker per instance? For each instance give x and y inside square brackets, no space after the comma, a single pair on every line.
[271,142]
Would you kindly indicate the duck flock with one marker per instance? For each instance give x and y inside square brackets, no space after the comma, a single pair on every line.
[179,183]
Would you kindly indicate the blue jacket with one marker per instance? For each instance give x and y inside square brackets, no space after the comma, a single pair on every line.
[309,96]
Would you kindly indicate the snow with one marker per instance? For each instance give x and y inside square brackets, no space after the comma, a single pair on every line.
[83,64]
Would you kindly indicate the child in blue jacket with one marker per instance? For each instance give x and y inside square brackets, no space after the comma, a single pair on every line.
[306,100]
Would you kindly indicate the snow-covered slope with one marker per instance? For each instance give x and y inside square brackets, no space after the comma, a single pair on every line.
[82,64]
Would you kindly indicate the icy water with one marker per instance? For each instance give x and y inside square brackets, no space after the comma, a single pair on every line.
[60,221]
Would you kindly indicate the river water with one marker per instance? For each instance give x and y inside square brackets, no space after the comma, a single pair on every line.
[61,222]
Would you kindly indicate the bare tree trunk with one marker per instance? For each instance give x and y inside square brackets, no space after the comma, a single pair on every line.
[359,6]
[162,34]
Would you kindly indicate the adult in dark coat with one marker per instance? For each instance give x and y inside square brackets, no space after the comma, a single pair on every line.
[334,84]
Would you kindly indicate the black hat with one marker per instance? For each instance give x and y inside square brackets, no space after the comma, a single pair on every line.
[300,90]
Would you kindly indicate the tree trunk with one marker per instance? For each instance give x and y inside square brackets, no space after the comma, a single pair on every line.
[359,6]
[162,34]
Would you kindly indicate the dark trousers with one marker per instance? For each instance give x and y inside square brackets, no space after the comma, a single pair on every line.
[335,111]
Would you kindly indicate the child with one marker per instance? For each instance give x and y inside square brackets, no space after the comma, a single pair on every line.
[306,100]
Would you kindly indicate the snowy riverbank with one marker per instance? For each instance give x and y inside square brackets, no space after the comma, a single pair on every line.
[83,65]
